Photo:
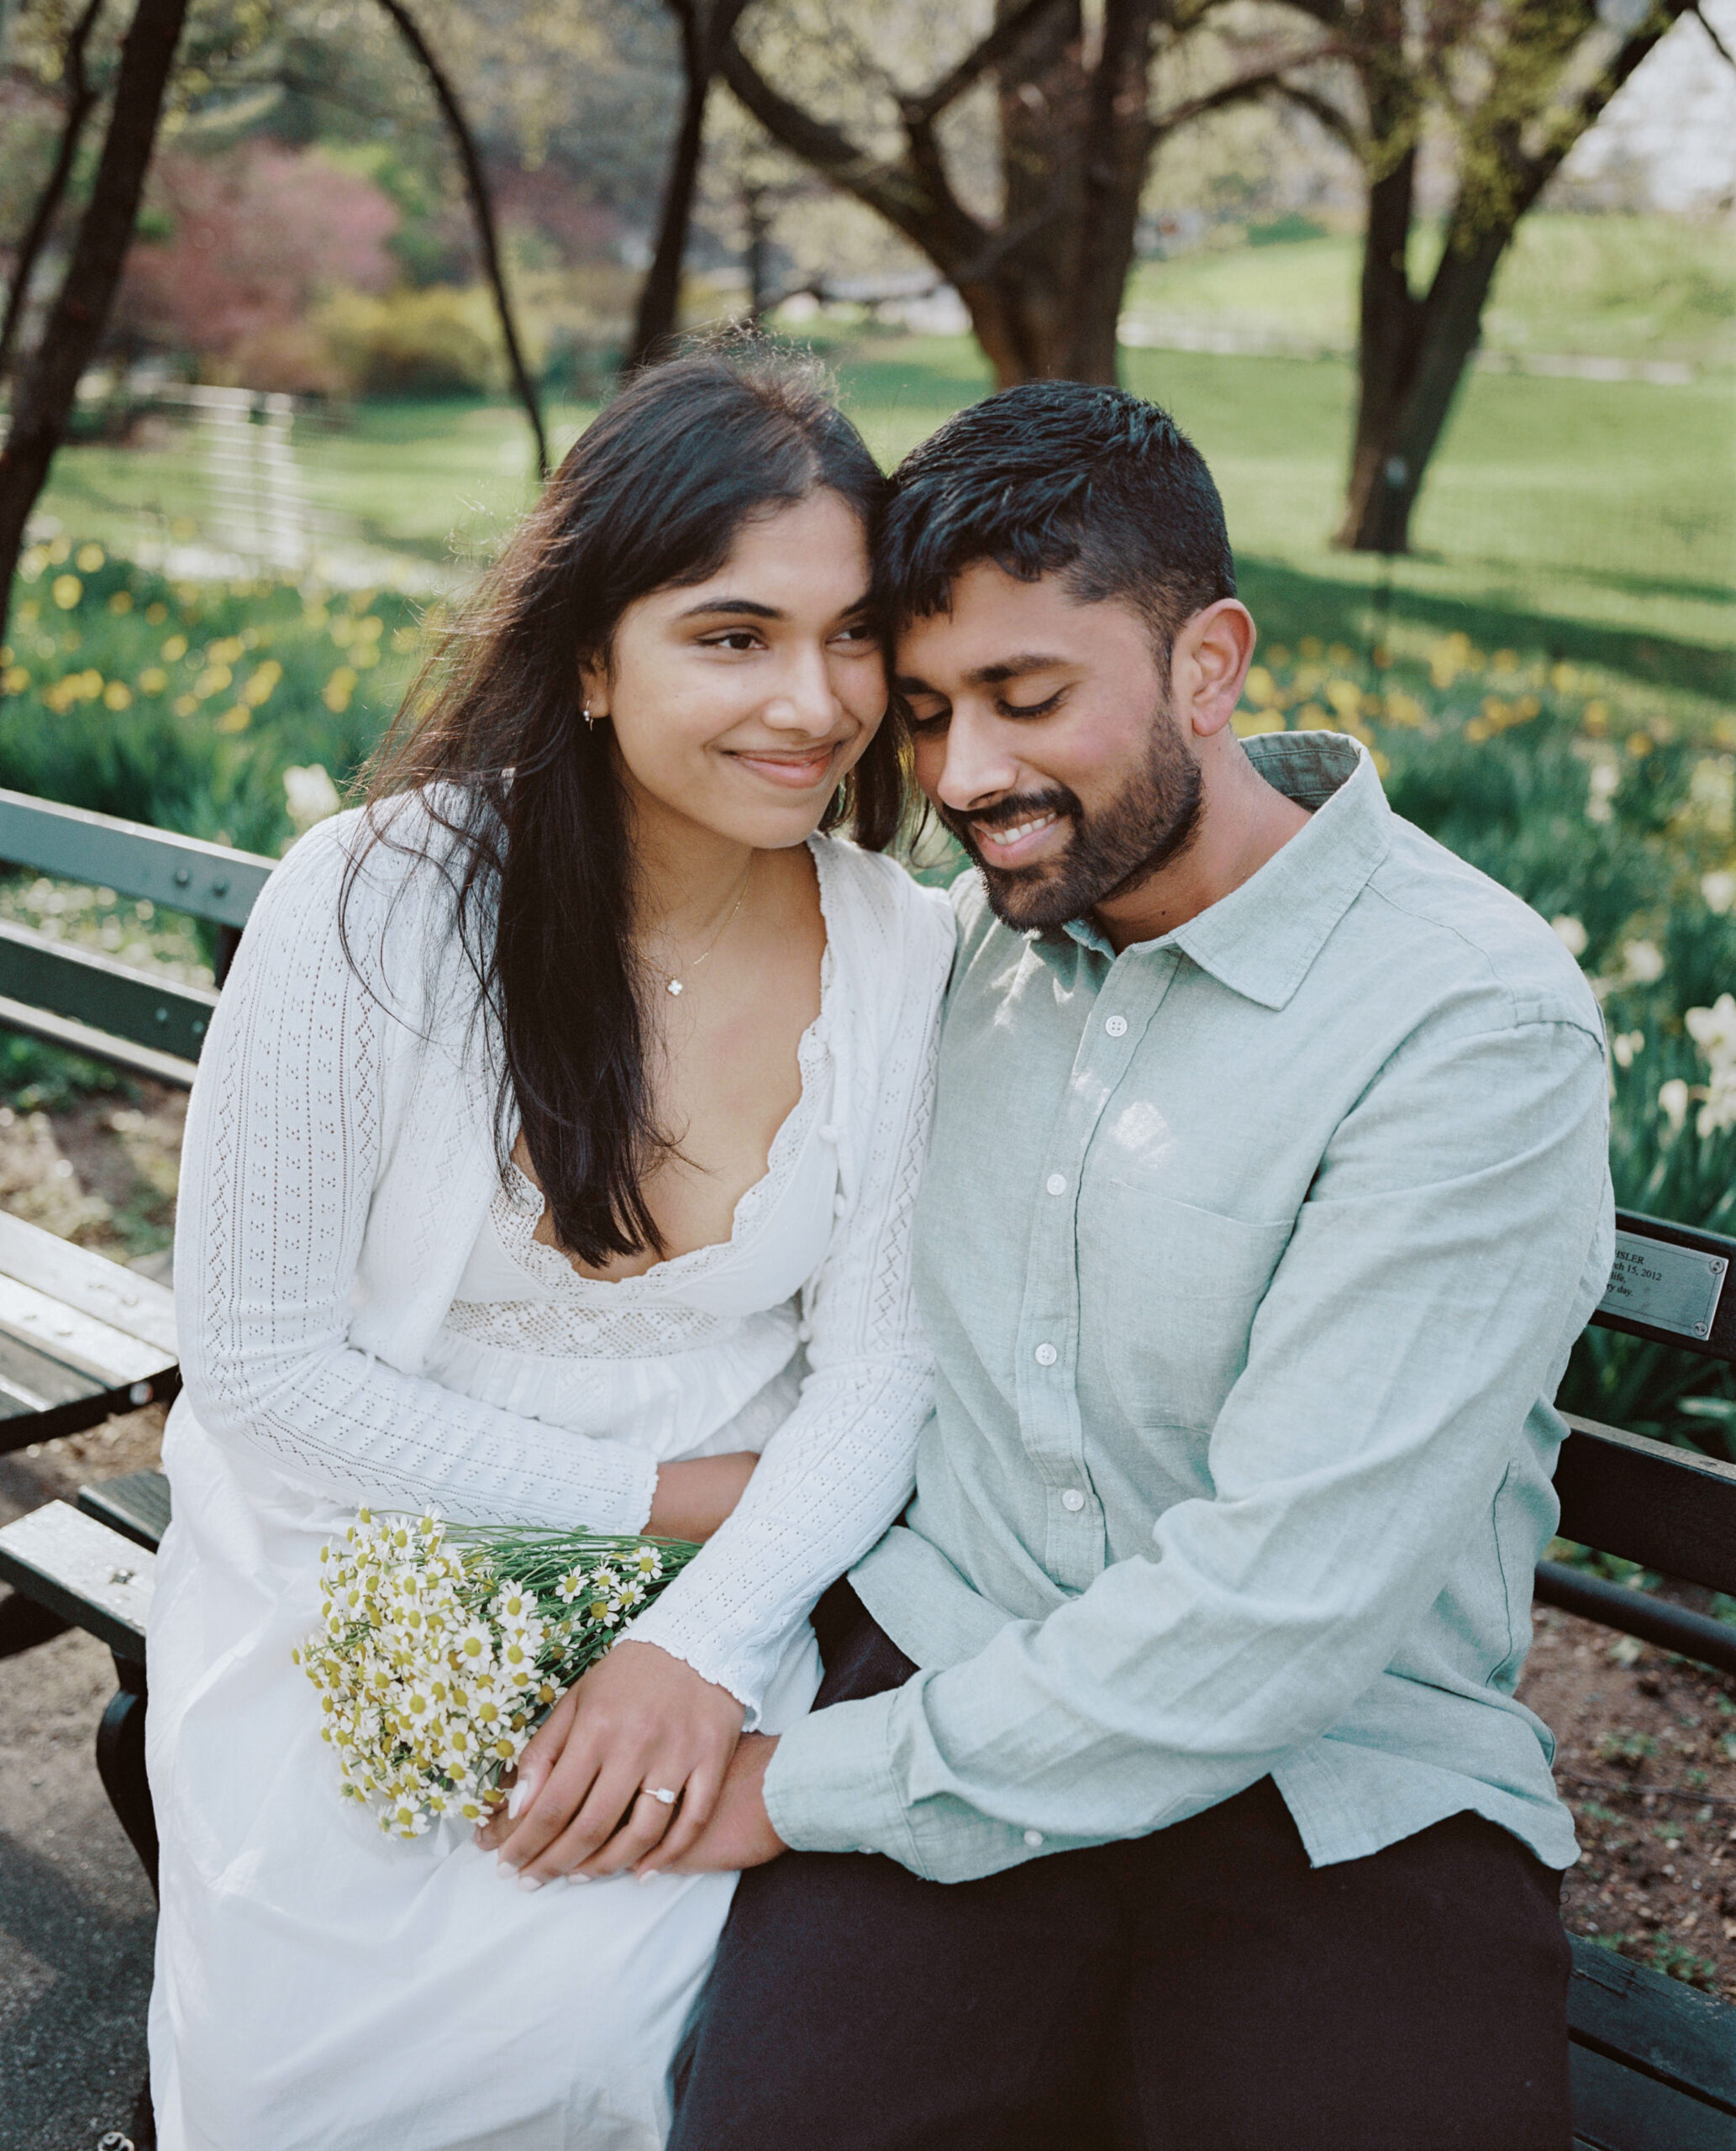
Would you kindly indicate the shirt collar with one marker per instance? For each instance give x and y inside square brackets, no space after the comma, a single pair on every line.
[1260,939]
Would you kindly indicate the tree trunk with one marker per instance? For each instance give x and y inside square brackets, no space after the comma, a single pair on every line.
[1408,386]
[1119,138]
[1413,352]
[707,26]
[1043,288]
[660,295]
[80,98]
[757,254]
[481,201]
[47,386]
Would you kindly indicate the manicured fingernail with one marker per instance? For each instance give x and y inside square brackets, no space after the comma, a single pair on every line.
[505,1865]
[576,1877]
[649,1874]
[530,1881]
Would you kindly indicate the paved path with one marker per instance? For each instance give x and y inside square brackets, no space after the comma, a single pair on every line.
[77,1917]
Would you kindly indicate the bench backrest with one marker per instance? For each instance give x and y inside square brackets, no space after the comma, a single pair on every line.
[87,1001]
[1669,1509]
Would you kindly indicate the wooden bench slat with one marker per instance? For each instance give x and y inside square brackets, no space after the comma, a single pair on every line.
[210,880]
[108,997]
[1617,2109]
[32,1380]
[1669,1509]
[78,1339]
[121,1297]
[76,1566]
[137,1505]
[1681,2036]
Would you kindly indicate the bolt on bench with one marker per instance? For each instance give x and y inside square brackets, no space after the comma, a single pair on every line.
[1654,2061]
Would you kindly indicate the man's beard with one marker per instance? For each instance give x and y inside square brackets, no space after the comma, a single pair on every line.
[1152,820]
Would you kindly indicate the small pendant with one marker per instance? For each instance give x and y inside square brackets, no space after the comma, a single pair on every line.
[674,985]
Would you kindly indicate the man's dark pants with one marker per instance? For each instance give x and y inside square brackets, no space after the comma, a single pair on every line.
[1203,1989]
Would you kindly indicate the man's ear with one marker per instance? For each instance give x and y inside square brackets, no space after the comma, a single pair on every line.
[1211,659]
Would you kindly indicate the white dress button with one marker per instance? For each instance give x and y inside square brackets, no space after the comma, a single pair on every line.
[804,1333]
[1033,1838]
[1073,1501]
[1046,1356]
[830,1132]
[841,1206]
[1116,1026]
[1056,1183]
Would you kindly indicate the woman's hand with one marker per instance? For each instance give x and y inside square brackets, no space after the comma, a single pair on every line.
[579,1805]
[693,1498]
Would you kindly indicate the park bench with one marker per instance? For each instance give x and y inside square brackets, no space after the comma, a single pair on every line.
[1654,2061]
[83,1338]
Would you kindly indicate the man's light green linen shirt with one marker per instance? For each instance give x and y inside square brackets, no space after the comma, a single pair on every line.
[1250,1258]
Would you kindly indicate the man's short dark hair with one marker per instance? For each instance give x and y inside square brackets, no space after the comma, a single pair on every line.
[1058,477]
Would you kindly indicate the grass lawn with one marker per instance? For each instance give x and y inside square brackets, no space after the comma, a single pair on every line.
[1628,287]
[1594,519]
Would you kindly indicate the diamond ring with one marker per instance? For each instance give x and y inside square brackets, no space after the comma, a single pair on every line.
[661,1793]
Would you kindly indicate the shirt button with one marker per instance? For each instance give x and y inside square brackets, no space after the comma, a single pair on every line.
[842,1206]
[1033,1838]
[1073,1501]
[1116,1026]
[1056,1183]
[830,1132]
[1046,1356]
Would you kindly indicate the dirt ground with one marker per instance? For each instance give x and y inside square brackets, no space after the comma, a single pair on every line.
[1647,1759]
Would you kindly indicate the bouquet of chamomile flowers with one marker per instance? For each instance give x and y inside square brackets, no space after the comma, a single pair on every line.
[443,1647]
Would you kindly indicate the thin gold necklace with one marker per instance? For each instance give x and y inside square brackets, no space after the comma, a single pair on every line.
[671,984]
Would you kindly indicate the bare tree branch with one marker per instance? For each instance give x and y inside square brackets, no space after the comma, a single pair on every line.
[1324,110]
[1250,85]
[988,53]
[80,98]
[482,210]
[905,197]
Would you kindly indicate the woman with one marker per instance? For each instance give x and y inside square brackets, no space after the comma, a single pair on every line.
[551,1162]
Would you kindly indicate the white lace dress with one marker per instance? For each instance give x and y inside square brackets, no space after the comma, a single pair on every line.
[321,1987]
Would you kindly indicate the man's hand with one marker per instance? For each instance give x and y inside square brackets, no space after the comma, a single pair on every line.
[739,1834]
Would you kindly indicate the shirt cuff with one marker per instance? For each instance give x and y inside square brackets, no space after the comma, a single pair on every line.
[672,1629]
[830,1786]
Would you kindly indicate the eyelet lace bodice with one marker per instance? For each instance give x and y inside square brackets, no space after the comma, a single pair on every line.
[340,1188]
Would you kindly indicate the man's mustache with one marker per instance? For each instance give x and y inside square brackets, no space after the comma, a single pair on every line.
[1005,813]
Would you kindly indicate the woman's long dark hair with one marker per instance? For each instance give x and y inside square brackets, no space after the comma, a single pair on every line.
[528,822]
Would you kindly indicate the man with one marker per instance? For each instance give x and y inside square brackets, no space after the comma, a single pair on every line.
[1168,1787]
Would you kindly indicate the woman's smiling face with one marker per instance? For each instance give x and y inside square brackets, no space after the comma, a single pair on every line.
[739,703]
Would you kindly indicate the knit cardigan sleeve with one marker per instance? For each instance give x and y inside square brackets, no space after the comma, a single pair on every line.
[842,1465]
[300,1090]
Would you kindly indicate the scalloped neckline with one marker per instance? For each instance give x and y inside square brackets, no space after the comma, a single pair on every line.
[517,1209]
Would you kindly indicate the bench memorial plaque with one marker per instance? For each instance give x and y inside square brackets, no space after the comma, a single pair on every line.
[1671,1287]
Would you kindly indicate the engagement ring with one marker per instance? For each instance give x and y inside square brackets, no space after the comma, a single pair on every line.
[660,1792]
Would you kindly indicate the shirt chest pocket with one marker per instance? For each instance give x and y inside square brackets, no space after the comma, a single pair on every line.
[1168,1294]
